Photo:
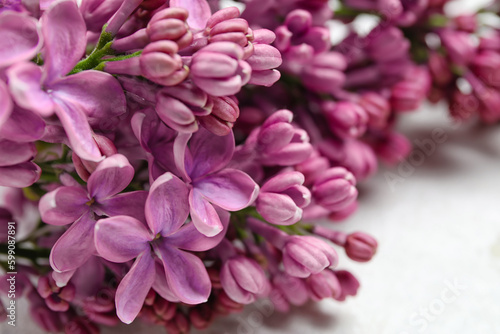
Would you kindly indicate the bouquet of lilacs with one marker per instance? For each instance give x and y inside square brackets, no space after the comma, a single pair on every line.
[151,169]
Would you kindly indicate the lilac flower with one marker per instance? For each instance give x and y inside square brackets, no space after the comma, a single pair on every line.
[73,204]
[346,119]
[202,166]
[335,189]
[178,274]
[72,98]
[324,285]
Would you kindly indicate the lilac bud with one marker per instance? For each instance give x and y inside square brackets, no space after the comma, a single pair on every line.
[324,73]
[298,21]
[388,44]
[170,24]
[306,255]
[466,22]
[178,325]
[97,12]
[352,154]
[335,189]
[282,198]
[324,285]
[486,65]
[81,325]
[360,246]
[292,289]
[279,143]
[175,113]
[338,216]
[393,148]
[348,283]
[439,69]
[57,299]
[225,112]
[225,305]
[407,95]
[201,316]
[243,279]
[346,119]
[377,107]
[459,46]
[161,64]
[219,70]
[313,167]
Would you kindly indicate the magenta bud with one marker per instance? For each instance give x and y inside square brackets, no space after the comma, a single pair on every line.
[408,94]
[377,107]
[324,285]
[324,74]
[393,148]
[335,189]
[348,283]
[225,112]
[346,119]
[97,12]
[218,69]
[170,24]
[81,325]
[306,255]
[282,198]
[459,45]
[340,215]
[283,38]
[439,69]
[243,279]
[175,113]
[201,316]
[223,15]
[466,22]
[161,64]
[360,247]
[293,289]
[298,21]
[486,65]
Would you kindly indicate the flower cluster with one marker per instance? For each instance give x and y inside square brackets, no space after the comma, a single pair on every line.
[153,172]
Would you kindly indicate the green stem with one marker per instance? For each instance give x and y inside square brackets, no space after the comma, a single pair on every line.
[31,254]
[93,59]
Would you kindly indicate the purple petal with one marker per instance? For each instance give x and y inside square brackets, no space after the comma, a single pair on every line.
[97,94]
[134,288]
[20,176]
[127,204]
[25,85]
[121,238]
[75,246]
[161,285]
[63,31]
[6,104]
[189,238]
[186,274]
[111,176]
[199,12]
[210,152]
[205,218]
[231,189]
[78,131]
[13,153]
[182,156]
[23,126]
[63,205]
[166,207]
[20,39]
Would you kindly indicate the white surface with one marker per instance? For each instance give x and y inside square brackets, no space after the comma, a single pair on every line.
[442,224]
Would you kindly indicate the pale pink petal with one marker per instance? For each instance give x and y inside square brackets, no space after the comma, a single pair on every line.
[20,37]
[111,176]
[189,238]
[63,31]
[166,207]
[231,189]
[121,238]
[134,288]
[210,152]
[199,12]
[205,218]
[63,205]
[186,274]
[75,246]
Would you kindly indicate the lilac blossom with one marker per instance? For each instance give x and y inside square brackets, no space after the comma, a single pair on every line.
[72,98]
[202,165]
[83,207]
[177,274]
